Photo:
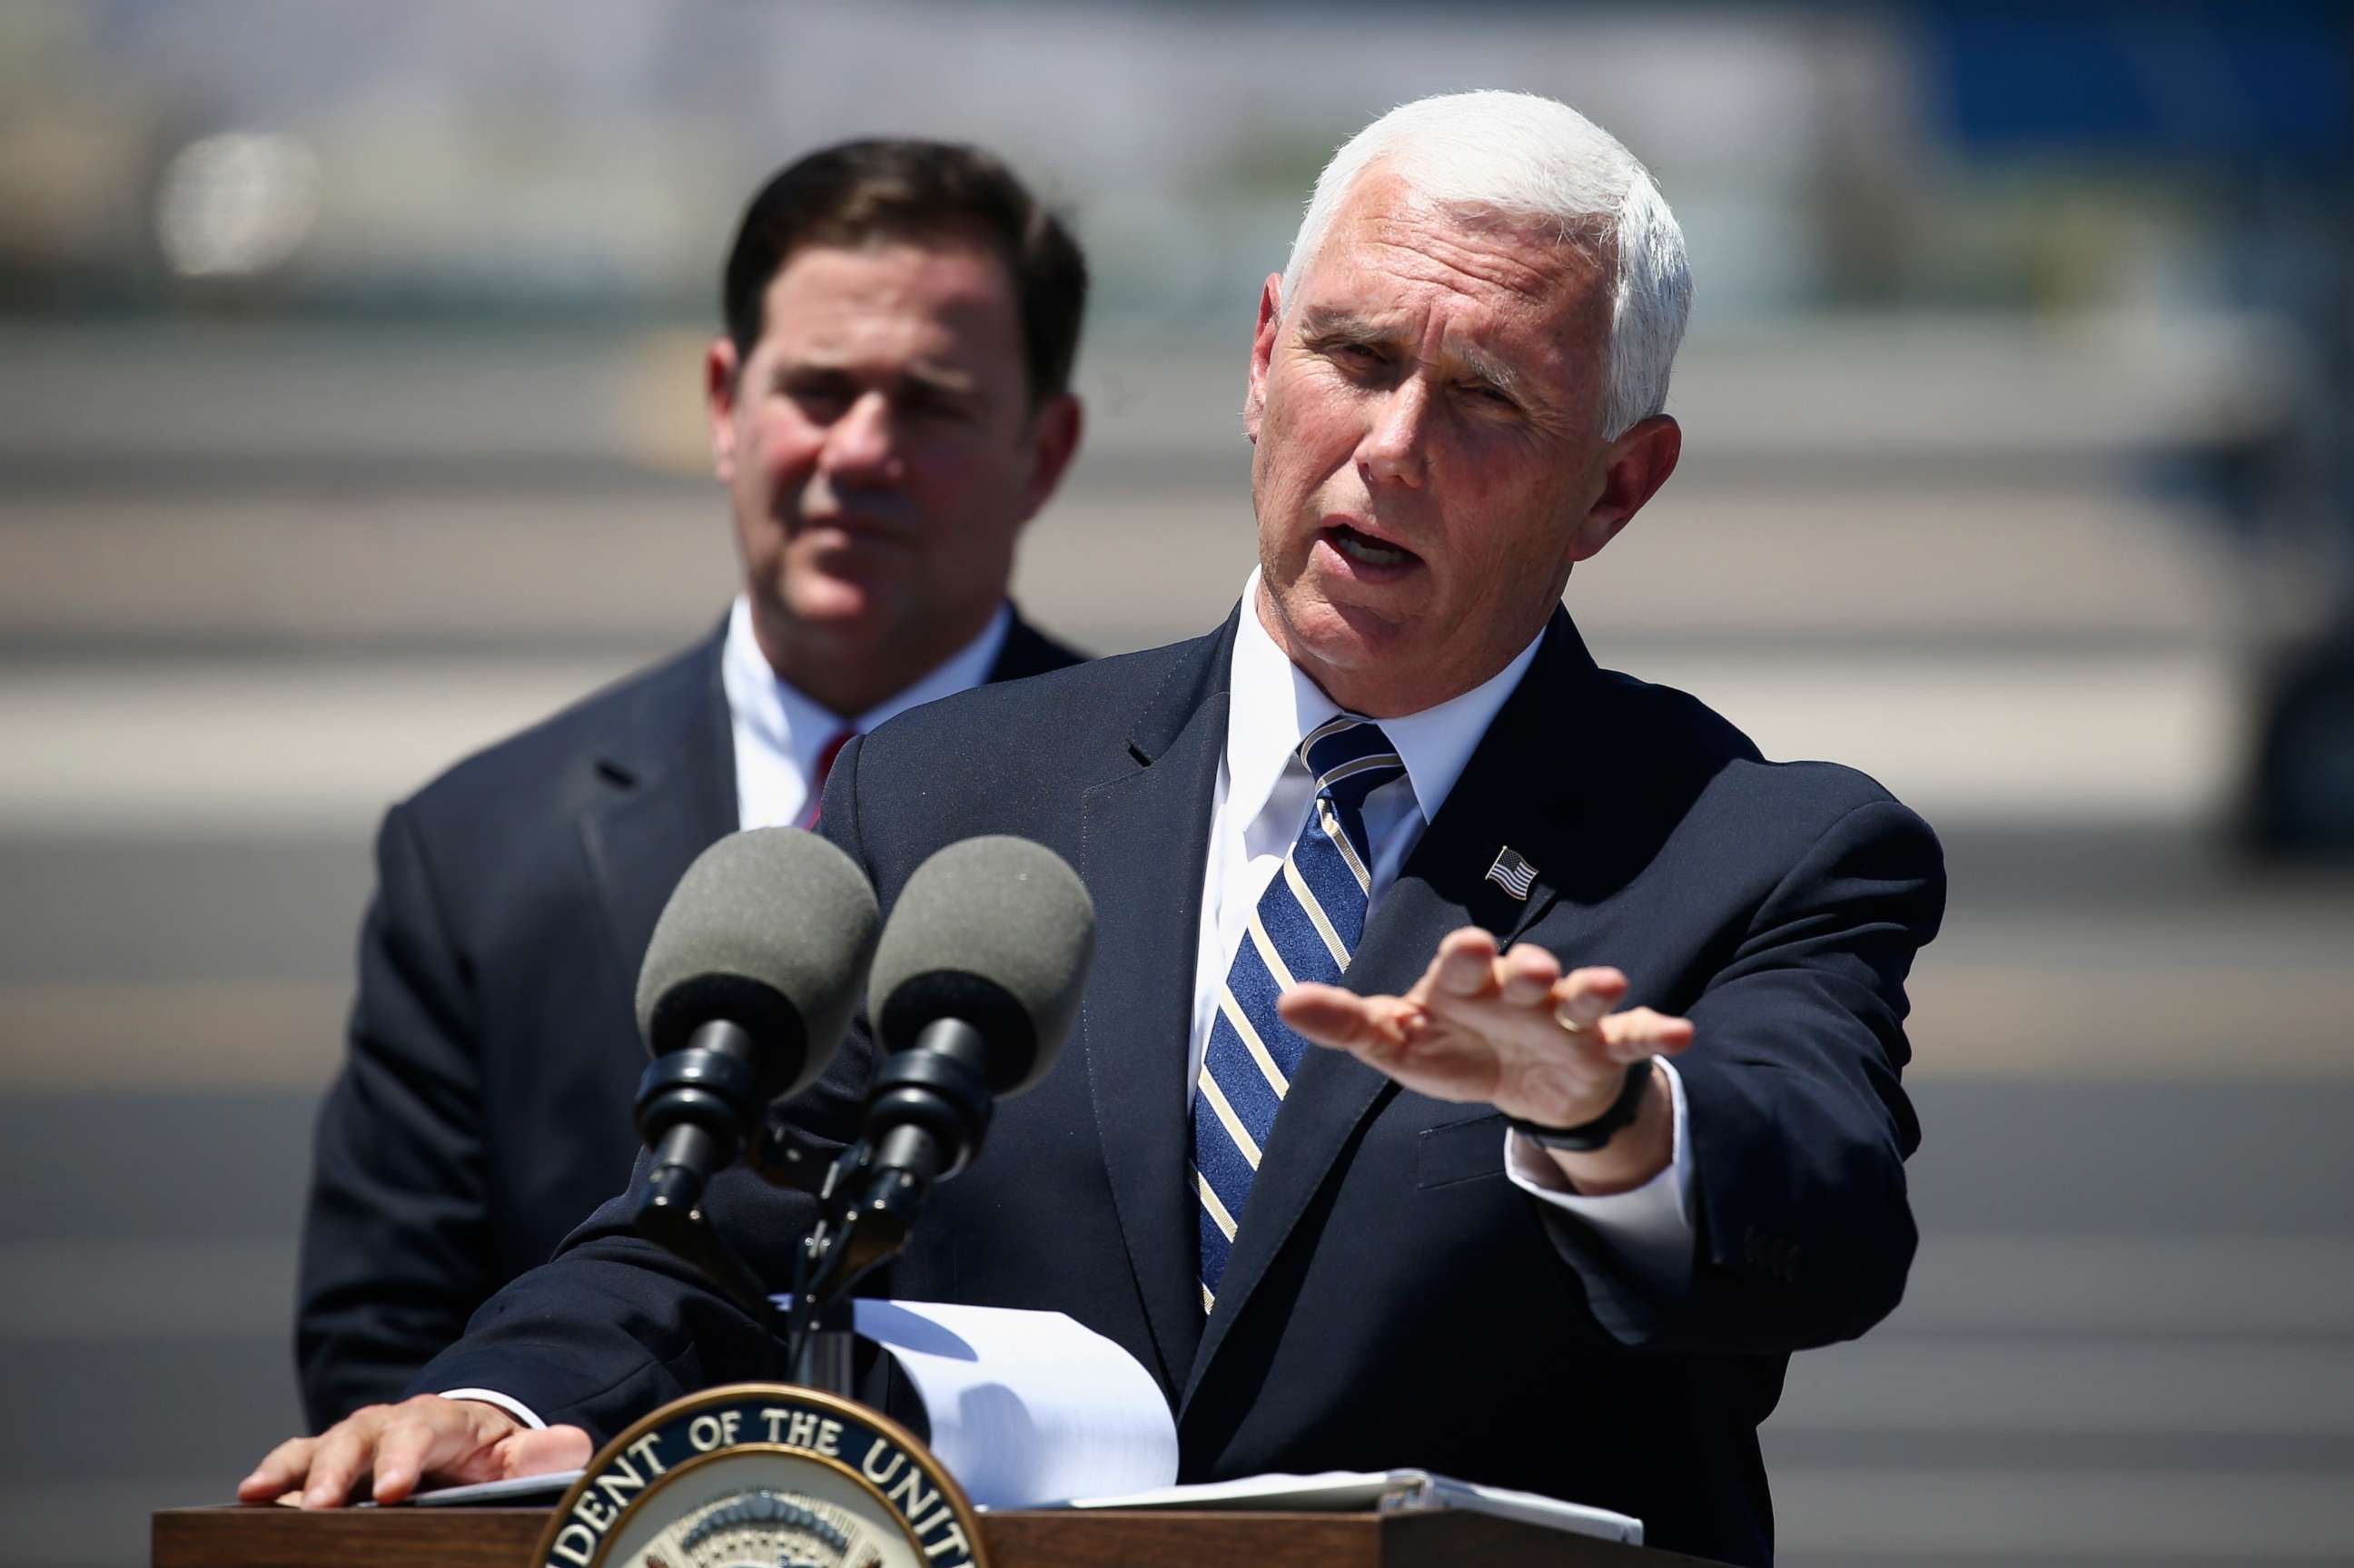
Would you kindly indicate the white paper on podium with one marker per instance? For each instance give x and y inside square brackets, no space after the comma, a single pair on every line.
[1028,1407]
[1380,1491]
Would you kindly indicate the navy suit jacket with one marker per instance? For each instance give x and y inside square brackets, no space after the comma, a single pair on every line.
[1392,1298]
[485,1103]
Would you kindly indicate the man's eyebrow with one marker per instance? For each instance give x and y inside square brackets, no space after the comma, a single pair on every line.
[1487,367]
[930,378]
[1322,324]
[940,378]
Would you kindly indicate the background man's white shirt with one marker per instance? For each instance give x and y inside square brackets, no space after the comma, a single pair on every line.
[780,733]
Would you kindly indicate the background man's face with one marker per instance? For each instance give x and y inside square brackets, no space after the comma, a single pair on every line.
[1426,415]
[879,450]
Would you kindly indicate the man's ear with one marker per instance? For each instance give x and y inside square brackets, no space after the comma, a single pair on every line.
[1054,432]
[1633,468]
[1270,316]
[720,372]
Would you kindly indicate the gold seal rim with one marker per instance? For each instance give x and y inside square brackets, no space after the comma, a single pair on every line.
[968,1520]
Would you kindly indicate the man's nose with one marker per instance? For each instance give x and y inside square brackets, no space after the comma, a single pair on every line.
[1392,451]
[863,443]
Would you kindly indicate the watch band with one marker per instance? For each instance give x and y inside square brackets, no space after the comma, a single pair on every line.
[1588,1136]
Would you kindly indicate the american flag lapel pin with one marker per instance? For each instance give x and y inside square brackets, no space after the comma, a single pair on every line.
[1512,873]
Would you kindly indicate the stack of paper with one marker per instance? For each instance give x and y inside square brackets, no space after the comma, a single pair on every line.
[1380,1491]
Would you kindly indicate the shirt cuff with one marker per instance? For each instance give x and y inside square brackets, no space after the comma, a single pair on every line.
[514,1407]
[1650,1227]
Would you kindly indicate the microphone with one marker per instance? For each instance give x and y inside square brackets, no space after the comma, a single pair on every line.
[975,984]
[746,988]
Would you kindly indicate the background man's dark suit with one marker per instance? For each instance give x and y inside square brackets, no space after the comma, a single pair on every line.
[1392,1299]
[485,1104]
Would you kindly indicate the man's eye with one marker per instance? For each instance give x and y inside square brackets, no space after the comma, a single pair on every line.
[1490,397]
[816,395]
[932,404]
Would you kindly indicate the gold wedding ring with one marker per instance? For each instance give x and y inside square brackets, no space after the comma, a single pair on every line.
[1561,1016]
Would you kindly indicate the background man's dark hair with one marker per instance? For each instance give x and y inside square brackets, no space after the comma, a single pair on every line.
[860,192]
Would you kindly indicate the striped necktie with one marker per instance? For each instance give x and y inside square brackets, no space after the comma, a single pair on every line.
[1304,928]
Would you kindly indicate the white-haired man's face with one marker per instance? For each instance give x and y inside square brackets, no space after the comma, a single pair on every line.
[1429,460]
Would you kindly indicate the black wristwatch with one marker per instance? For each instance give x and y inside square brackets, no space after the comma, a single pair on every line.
[1588,1136]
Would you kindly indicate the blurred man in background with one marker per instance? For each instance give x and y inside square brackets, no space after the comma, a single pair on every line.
[889,407]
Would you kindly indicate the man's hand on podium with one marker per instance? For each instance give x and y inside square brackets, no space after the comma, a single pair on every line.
[451,1441]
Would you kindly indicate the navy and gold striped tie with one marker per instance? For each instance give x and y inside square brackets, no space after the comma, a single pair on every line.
[1304,928]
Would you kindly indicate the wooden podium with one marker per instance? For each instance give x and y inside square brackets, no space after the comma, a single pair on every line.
[503,1538]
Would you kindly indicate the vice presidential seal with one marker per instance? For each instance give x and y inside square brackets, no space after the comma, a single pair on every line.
[763,1476]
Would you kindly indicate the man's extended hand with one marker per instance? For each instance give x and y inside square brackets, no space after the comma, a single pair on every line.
[1511,1030]
[452,1441]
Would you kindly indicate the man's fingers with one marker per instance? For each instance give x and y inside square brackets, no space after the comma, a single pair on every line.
[1375,1030]
[1529,974]
[1328,1015]
[1640,1032]
[400,1445]
[1465,964]
[429,1437]
[1582,997]
[339,1457]
[282,1469]
[549,1448]
[401,1456]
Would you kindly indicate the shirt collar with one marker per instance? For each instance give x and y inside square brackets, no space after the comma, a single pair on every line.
[1271,703]
[789,721]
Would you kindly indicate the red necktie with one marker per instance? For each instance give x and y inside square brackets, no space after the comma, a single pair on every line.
[824,766]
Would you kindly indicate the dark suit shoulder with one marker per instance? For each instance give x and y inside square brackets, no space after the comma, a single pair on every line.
[1687,738]
[1083,707]
[1015,758]
[541,767]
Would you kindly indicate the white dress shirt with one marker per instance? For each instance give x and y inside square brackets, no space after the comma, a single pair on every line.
[1263,795]
[781,732]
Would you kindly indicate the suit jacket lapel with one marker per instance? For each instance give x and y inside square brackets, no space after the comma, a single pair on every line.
[667,792]
[1517,791]
[1527,791]
[1144,847]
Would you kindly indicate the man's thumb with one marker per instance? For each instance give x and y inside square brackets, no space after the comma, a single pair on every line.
[549,1448]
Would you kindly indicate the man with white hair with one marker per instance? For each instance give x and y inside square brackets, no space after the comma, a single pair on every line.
[1391,809]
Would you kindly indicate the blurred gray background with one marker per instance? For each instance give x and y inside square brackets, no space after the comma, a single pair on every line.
[349,418]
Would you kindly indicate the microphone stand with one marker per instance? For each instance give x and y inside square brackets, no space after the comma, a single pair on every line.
[836,1255]
[815,1336]
[927,1112]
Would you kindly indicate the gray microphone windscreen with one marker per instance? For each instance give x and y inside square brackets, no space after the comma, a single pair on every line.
[996,931]
[771,929]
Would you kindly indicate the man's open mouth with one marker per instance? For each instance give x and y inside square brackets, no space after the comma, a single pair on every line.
[1366,549]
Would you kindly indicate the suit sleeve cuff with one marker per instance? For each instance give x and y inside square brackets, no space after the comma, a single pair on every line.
[1649,1227]
[515,1407]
